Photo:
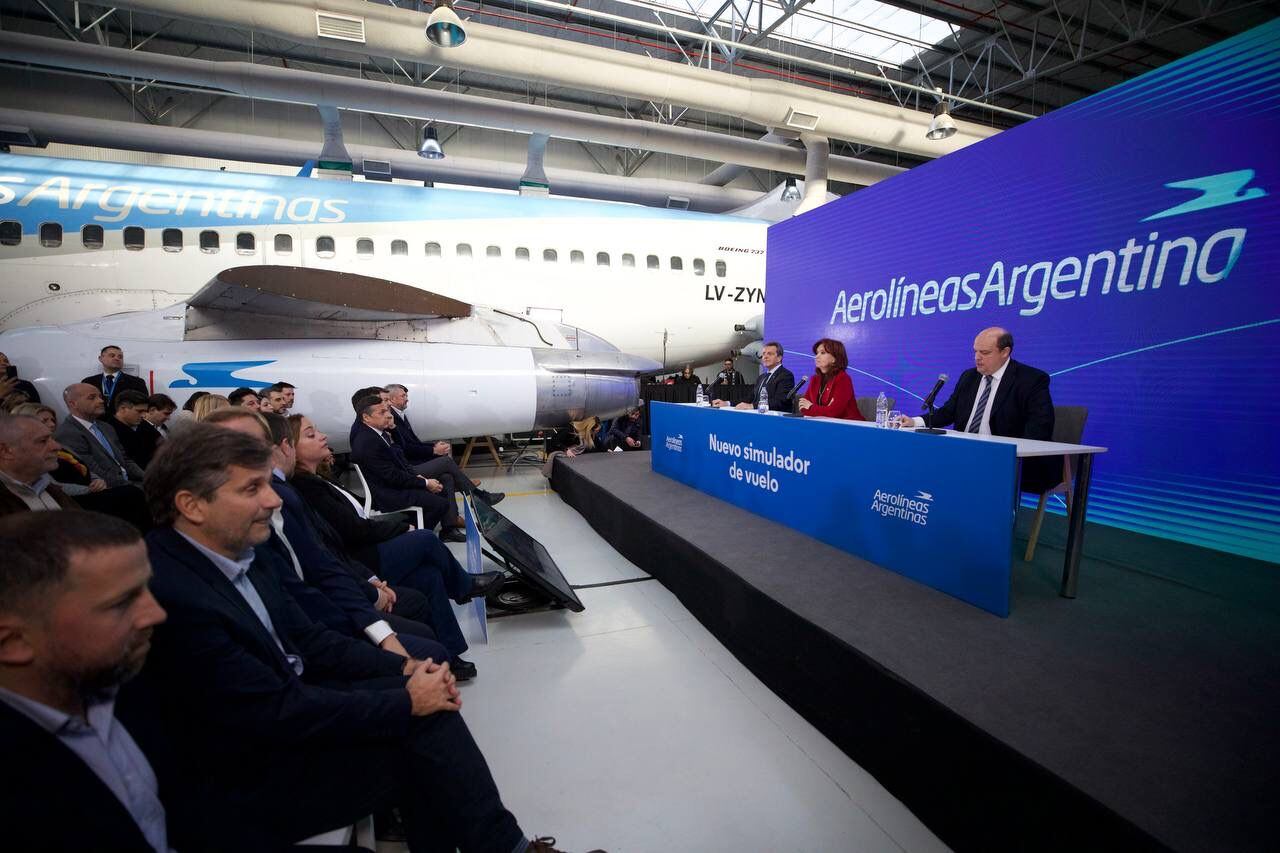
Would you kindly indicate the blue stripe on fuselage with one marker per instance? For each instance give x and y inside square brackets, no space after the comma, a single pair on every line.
[75,193]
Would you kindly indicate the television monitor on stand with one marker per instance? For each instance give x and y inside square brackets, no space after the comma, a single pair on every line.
[536,579]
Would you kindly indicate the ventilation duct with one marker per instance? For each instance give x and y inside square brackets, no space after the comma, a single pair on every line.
[523,56]
[238,147]
[293,86]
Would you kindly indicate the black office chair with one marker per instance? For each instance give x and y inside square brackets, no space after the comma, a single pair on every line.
[867,406]
[1068,428]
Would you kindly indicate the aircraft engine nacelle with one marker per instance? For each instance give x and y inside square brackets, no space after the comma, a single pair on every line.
[455,390]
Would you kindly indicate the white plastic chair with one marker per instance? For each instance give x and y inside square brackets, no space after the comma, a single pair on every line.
[415,511]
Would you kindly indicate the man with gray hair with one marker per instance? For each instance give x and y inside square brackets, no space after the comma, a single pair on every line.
[429,460]
[92,440]
[28,455]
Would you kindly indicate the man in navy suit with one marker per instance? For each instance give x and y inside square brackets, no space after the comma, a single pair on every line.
[76,619]
[391,479]
[1000,396]
[429,460]
[294,728]
[112,380]
[777,381]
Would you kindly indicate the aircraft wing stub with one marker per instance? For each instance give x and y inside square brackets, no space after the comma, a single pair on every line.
[320,294]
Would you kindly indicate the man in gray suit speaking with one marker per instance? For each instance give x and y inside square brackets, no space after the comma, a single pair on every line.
[94,442]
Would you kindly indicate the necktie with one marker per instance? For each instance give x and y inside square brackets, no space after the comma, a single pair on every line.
[979,409]
[102,439]
[387,439]
[108,386]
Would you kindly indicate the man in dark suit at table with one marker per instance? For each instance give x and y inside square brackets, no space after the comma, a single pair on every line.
[112,380]
[777,380]
[1000,396]
[93,440]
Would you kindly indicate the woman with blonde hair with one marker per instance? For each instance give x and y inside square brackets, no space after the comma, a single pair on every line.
[207,405]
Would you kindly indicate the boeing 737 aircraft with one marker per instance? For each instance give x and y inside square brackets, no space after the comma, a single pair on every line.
[79,240]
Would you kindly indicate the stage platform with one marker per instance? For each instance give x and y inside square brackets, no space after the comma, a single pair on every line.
[1144,714]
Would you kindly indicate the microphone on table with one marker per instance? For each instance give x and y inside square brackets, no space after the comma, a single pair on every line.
[928,405]
[791,397]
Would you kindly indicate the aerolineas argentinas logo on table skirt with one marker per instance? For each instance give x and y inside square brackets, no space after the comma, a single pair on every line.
[898,505]
[676,443]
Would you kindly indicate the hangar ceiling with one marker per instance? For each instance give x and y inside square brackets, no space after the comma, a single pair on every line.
[997,63]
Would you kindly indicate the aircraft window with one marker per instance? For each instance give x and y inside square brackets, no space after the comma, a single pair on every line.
[246,243]
[493,252]
[10,233]
[699,266]
[464,250]
[325,247]
[135,238]
[209,242]
[677,263]
[721,269]
[651,262]
[50,235]
[576,257]
[91,236]
[284,244]
[364,247]
[628,260]
[602,259]
[171,239]
[549,256]
[433,250]
[522,253]
[399,247]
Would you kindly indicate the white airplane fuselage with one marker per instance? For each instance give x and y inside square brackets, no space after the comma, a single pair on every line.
[80,239]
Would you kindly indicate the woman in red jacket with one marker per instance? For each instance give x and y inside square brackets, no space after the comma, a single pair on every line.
[830,392]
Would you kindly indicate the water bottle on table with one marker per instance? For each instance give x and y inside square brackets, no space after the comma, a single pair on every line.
[882,411]
[701,399]
[762,405]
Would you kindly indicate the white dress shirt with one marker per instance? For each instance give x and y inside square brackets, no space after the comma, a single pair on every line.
[984,428]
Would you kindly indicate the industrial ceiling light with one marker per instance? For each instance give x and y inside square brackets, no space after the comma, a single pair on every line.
[444,29]
[430,148]
[942,125]
[791,192]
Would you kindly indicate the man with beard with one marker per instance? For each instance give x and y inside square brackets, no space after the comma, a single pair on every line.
[75,622]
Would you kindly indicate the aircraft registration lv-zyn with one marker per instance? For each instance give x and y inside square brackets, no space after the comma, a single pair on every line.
[80,240]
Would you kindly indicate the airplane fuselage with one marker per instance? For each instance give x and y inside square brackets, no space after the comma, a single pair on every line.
[81,239]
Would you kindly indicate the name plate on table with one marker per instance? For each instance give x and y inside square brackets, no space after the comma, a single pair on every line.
[937,510]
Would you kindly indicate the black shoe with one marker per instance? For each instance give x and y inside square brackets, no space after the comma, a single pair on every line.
[463,670]
[484,585]
[452,534]
[491,498]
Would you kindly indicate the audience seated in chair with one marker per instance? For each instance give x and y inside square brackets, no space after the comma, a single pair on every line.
[328,585]
[388,545]
[392,481]
[295,729]
[93,440]
[139,441]
[28,456]
[430,460]
[73,478]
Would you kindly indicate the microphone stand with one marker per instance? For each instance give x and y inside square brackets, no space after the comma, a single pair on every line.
[930,430]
